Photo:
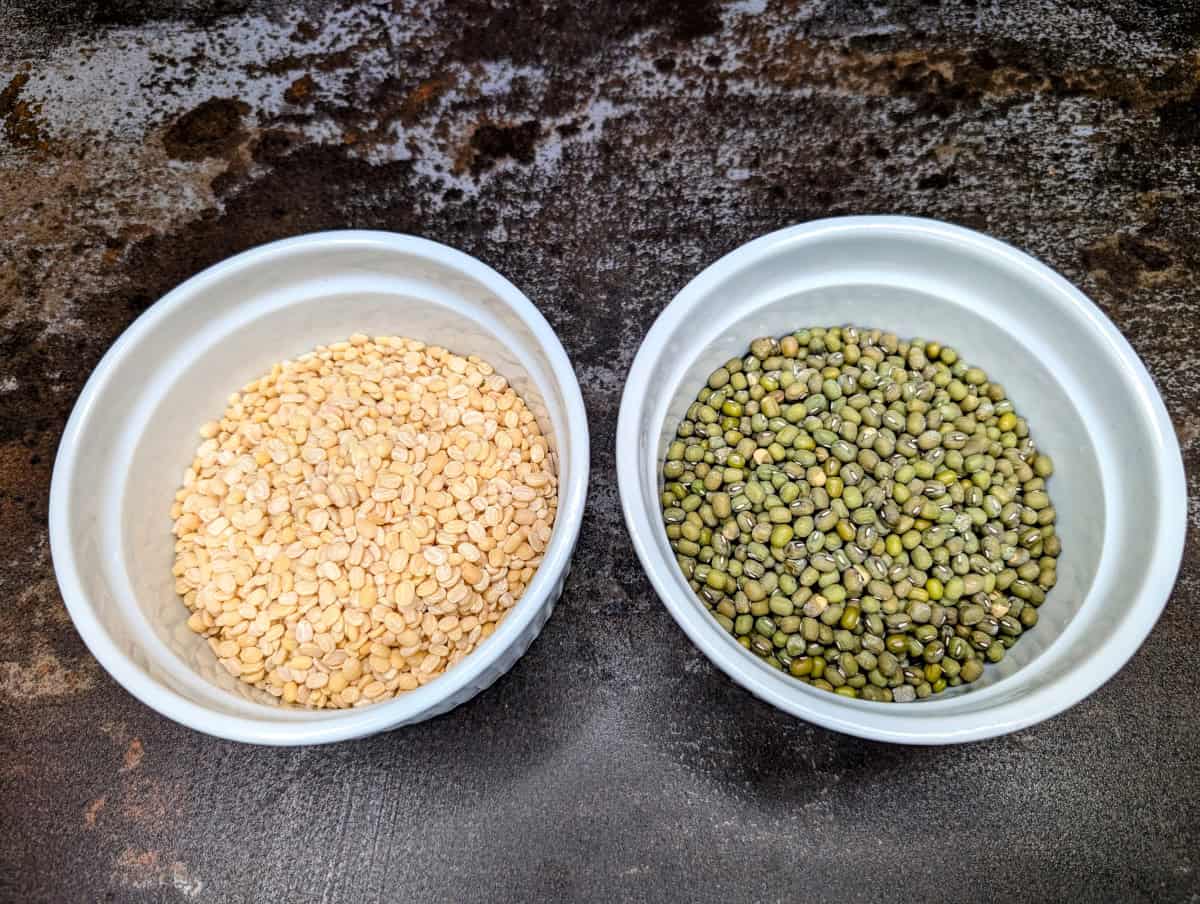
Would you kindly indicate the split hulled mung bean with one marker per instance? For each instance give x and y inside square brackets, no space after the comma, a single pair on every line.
[360,519]
[868,513]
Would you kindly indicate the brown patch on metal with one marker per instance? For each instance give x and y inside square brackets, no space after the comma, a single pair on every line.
[301,193]
[273,144]
[45,675]
[146,870]
[32,621]
[212,129]
[1127,261]
[424,96]
[152,804]
[24,475]
[41,659]
[118,731]
[942,80]
[1187,430]
[391,101]
[492,142]
[133,755]
[72,214]
[116,245]
[92,811]
[323,61]
[135,861]
[19,116]
[300,91]
[305,32]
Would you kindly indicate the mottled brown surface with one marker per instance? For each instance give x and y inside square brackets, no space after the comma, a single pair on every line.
[598,154]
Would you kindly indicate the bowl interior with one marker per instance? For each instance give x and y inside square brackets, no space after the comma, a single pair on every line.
[1002,312]
[176,369]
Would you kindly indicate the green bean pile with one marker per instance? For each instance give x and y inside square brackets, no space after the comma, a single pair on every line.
[866,513]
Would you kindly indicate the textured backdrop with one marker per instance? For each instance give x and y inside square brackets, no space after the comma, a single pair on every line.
[599,155]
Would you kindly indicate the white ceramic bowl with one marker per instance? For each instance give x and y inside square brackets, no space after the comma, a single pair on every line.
[133,432]
[1118,488]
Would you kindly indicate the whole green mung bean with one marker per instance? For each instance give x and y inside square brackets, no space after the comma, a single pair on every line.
[866,513]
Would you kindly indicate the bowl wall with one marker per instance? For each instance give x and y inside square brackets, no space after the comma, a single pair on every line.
[135,432]
[1088,401]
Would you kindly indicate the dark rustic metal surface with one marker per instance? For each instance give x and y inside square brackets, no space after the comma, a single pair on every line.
[599,154]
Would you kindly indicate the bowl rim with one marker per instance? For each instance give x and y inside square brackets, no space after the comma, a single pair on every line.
[879,721]
[326,726]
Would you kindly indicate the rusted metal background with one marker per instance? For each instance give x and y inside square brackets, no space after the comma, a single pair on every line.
[599,154]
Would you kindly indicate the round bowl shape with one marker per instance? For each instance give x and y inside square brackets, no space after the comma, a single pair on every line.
[1118,488]
[133,432]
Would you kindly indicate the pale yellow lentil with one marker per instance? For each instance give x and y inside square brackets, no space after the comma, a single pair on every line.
[360,519]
